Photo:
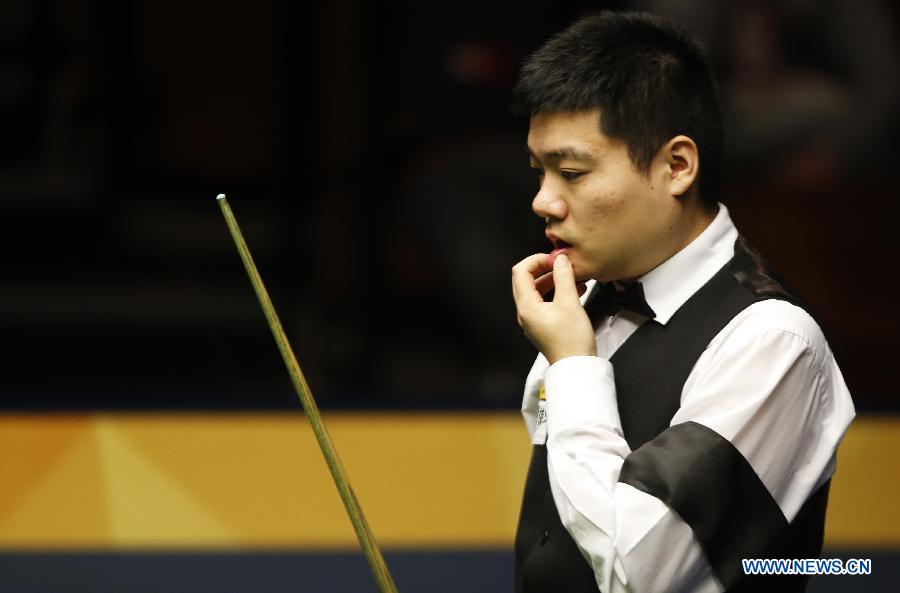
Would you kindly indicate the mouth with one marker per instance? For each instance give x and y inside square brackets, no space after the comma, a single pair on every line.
[556,241]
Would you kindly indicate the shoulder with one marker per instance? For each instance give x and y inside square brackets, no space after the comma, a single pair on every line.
[774,322]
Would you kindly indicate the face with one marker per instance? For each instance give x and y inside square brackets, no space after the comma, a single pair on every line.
[616,222]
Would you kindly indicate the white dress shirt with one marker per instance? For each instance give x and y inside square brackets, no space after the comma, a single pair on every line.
[767,382]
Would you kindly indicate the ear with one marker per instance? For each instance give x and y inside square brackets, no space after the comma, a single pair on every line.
[683,158]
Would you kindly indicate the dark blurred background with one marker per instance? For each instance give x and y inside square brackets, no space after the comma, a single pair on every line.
[369,154]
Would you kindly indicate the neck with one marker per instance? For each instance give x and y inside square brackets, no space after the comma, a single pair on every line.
[697,225]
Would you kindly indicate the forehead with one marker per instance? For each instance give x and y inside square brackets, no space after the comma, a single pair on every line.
[572,135]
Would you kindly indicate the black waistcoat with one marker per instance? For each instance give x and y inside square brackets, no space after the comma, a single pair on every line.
[650,369]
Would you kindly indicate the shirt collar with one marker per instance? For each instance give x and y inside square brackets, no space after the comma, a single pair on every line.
[671,283]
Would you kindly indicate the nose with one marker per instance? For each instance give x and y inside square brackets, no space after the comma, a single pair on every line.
[548,203]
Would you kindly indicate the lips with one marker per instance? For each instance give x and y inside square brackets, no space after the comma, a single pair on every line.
[558,243]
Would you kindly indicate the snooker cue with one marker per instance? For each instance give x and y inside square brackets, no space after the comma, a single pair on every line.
[360,525]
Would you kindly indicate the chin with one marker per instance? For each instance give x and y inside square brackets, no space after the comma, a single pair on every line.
[598,275]
[585,272]
[582,275]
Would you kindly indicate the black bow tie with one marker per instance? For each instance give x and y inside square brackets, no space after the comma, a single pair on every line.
[606,300]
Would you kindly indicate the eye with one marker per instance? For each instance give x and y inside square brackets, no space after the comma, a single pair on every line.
[571,175]
[539,173]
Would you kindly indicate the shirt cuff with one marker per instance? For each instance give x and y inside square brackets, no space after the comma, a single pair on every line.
[581,391]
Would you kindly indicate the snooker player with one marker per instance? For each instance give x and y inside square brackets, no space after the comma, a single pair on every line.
[685,407]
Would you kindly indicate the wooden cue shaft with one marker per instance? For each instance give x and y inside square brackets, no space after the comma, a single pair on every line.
[363,533]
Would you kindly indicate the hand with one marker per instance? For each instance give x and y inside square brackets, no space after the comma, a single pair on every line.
[559,328]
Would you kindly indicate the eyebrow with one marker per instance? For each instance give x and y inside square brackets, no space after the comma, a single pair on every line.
[564,152]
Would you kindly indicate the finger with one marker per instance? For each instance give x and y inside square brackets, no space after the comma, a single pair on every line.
[544,284]
[536,264]
[564,280]
[523,277]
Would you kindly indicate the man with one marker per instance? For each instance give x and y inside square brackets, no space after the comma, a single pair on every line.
[685,410]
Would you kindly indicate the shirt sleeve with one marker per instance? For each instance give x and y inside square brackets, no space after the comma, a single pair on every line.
[767,383]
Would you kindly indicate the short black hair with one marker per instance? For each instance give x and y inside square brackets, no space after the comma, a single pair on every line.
[650,80]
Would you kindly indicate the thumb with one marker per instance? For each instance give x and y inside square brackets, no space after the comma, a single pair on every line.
[564,280]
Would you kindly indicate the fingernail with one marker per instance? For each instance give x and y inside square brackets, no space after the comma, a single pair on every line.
[561,260]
